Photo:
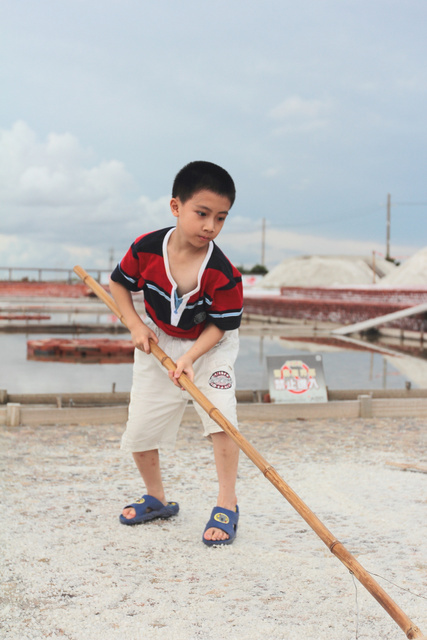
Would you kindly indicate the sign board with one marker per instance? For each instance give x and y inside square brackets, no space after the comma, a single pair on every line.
[298,378]
[251,280]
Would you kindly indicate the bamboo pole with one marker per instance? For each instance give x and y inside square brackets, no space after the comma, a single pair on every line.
[334,545]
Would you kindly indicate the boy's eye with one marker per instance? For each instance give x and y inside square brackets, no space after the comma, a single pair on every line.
[201,213]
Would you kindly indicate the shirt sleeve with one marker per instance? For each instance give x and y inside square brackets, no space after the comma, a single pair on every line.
[128,271]
[226,307]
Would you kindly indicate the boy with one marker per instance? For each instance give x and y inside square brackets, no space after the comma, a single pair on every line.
[193,299]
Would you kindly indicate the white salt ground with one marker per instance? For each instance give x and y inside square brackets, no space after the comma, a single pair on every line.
[71,570]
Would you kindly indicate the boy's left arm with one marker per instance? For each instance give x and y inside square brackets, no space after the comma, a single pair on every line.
[209,337]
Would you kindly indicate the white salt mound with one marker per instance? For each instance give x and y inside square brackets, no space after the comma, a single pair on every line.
[411,273]
[382,266]
[319,271]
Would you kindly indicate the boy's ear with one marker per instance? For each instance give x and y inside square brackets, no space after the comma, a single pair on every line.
[174,205]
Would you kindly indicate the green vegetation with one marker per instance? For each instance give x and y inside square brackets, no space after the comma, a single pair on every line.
[258,269]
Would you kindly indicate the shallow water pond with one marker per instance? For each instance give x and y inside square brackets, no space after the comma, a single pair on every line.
[344,369]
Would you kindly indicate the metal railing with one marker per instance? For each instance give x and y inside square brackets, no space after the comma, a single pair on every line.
[38,274]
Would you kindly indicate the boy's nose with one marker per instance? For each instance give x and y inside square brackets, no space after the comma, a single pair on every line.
[208,225]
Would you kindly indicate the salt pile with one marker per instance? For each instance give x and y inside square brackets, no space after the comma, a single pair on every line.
[319,271]
[412,273]
[382,266]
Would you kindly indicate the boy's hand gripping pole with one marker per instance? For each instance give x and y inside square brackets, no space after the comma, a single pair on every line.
[336,547]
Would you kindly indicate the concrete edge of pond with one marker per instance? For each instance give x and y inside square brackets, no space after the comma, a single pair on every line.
[16,414]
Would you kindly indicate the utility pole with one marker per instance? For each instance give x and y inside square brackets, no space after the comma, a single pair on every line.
[263,243]
[387,253]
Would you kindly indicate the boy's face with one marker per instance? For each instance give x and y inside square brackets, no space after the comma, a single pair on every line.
[201,218]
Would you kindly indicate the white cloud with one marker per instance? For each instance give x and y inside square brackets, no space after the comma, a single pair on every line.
[295,106]
[245,248]
[242,247]
[300,115]
[272,172]
[18,251]
[155,213]
[54,172]
[60,206]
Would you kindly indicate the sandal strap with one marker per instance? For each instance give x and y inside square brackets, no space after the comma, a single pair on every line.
[223,519]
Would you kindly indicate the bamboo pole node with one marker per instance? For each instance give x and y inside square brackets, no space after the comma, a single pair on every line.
[331,547]
[267,469]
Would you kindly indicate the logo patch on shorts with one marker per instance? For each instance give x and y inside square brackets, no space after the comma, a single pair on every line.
[221,517]
[221,380]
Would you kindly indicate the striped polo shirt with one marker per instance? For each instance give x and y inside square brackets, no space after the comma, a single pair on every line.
[217,299]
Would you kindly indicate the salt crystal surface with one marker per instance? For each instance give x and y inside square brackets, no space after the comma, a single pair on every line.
[70,570]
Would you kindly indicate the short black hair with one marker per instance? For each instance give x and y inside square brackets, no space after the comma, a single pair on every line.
[199,175]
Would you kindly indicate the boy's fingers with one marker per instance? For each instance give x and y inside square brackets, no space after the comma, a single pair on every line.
[142,342]
[174,379]
[177,375]
[144,346]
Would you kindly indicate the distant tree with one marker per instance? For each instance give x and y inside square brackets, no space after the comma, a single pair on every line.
[259,269]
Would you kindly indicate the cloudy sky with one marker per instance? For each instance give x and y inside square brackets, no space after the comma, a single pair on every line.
[316,108]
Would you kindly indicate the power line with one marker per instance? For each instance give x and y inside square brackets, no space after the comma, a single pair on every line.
[316,222]
[411,204]
[341,218]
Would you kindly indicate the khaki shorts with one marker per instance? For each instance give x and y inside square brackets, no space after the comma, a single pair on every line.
[157,405]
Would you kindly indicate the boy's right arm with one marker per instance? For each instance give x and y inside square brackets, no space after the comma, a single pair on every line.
[140,333]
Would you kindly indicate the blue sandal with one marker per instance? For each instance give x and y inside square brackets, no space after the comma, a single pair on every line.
[149,508]
[225,520]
